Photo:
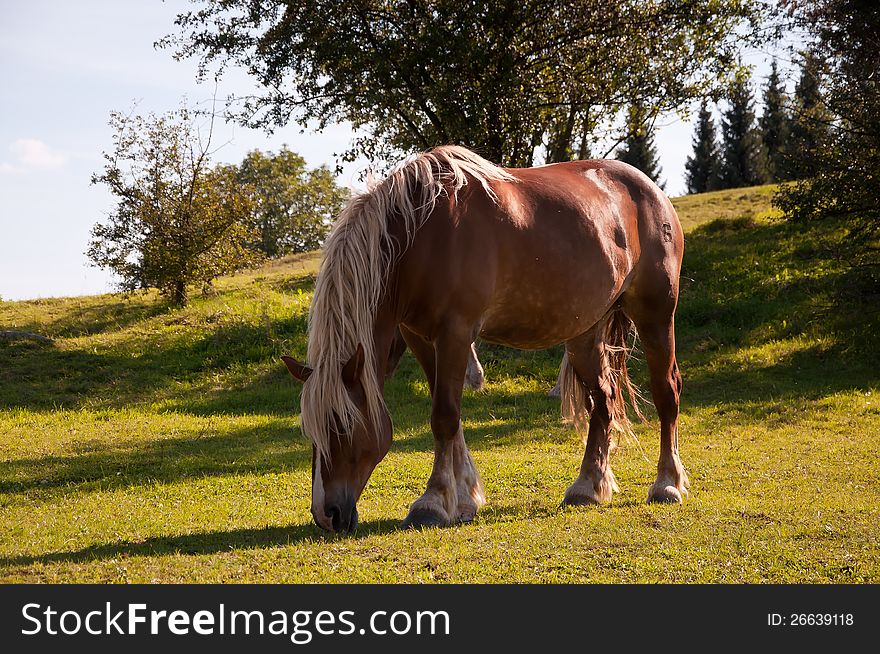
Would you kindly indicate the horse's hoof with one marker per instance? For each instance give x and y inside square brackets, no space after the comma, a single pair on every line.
[422,518]
[475,384]
[664,495]
[466,518]
[579,500]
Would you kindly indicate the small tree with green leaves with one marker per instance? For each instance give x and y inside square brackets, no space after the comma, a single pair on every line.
[638,147]
[703,166]
[292,207]
[178,221]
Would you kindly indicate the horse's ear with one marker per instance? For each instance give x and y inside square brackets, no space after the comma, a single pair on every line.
[297,369]
[351,371]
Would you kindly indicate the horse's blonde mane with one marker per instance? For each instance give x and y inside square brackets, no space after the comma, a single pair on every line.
[358,256]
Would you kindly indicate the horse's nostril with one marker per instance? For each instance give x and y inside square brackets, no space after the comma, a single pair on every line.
[335,517]
[343,518]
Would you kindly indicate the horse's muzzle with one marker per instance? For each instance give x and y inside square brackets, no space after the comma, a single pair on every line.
[341,517]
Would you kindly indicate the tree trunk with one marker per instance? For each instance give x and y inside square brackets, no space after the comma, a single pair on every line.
[586,132]
[179,297]
[561,150]
[537,138]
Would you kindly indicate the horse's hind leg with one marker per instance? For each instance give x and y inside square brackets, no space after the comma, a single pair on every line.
[657,333]
[556,391]
[589,368]
[475,378]
[398,347]
[455,490]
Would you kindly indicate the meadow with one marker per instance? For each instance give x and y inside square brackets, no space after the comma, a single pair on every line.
[150,444]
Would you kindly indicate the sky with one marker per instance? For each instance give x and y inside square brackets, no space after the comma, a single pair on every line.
[64,66]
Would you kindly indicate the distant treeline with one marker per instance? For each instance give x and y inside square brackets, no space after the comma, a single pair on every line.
[773,148]
[749,150]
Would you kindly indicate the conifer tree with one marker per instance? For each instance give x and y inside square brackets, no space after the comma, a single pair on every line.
[774,125]
[743,158]
[809,120]
[638,148]
[702,168]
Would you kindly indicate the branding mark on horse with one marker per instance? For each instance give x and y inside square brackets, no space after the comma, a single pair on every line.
[667,232]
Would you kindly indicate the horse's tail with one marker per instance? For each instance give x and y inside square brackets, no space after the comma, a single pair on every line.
[619,349]
[577,403]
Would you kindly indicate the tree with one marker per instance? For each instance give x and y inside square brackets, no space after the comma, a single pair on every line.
[703,167]
[292,207]
[638,147]
[505,77]
[774,125]
[845,182]
[178,221]
[809,121]
[743,158]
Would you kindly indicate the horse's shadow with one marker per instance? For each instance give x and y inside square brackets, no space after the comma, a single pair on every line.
[215,542]
[210,542]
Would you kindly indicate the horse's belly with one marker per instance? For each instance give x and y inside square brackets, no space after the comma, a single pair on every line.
[529,322]
[550,297]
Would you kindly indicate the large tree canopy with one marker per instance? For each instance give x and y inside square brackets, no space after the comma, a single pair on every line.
[510,78]
[842,107]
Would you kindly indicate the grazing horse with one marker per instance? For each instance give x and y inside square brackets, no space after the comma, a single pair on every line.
[449,247]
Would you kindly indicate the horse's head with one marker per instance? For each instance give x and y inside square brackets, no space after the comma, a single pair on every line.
[340,473]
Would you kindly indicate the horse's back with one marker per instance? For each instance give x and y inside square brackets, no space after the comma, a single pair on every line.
[632,217]
[547,257]
[606,191]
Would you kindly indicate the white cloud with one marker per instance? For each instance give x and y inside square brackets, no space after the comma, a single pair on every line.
[33,154]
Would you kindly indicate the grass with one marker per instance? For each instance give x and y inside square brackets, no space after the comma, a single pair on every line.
[156,445]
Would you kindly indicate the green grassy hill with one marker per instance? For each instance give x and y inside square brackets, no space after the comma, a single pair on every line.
[153,445]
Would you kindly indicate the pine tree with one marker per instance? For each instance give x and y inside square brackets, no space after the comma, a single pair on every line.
[638,148]
[809,120]
[742,150]
[774,125]
[703,167]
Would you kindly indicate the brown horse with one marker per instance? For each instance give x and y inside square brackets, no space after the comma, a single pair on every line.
[449,247]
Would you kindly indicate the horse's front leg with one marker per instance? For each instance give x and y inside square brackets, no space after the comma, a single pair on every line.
[455,492]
